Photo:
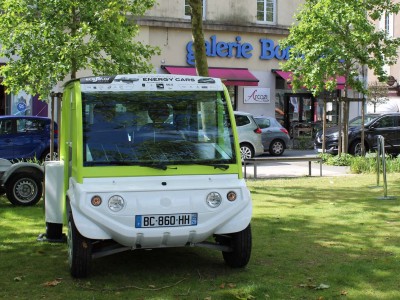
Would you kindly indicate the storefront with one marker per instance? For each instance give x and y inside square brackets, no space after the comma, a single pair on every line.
[21,103]
[301,113]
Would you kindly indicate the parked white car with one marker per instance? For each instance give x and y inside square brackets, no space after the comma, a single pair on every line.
[249,135]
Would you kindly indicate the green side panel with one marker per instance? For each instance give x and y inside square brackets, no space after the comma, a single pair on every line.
[235,134]
[77,134]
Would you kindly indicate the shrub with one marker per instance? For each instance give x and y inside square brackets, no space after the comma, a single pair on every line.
[342,160]
[362,164]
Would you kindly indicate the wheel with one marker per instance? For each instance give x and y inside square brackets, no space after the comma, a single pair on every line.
[24,189]
[355,148]
[46,156]
[246,151]
[240,242]
[79,251]
[276,148]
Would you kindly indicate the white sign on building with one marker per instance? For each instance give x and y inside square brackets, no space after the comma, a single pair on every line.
[256,95]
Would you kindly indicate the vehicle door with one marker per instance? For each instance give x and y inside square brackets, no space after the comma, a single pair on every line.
[32,138]
[7,137]
[385,126]
[396,135]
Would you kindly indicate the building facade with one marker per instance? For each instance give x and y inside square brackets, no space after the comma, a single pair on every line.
[391,24]
[242,46]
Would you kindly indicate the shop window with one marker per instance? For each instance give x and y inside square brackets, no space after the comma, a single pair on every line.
[187,9]
[266,10]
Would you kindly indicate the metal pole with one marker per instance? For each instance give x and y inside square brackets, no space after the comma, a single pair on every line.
[378,157]
[52,127]
[384,168]
[59,97]
[381,145]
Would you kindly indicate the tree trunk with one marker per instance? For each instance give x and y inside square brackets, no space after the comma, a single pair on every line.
[362,126]
[345,125]
[340,116]
[198,37]
[74,26]
[324,125]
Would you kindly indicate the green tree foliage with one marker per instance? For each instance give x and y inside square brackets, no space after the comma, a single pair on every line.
[44,41]
[377,93]
[339,38]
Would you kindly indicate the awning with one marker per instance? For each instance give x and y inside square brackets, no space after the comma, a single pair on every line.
[230,76]
[340,80]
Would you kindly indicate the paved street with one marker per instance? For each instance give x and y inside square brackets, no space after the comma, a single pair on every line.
[295,169]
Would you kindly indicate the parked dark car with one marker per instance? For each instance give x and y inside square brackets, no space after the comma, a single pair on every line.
[26,137]
[274,136]
[386,125]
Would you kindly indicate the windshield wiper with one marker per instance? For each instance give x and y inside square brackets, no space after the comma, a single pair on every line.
[216,166]
[158,166]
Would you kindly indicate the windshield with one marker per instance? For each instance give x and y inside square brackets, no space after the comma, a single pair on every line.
[156,128]
[357,120]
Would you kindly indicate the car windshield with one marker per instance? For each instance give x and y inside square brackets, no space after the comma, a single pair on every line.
[156,128]
[357,120]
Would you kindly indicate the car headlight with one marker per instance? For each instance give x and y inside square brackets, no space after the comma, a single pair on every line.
[116,203]
[214,199]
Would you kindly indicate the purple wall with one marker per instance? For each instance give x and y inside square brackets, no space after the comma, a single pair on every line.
[39,107]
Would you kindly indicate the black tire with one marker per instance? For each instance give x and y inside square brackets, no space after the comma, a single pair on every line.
[246,151]
[79,251]
[240,242]
[277,147]
[355,148]
[24,189]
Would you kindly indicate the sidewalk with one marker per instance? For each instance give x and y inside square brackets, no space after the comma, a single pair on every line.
[295,169]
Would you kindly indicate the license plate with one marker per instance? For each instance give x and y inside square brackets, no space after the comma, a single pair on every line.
[174,220]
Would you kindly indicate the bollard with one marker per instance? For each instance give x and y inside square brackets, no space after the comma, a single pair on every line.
[381,152]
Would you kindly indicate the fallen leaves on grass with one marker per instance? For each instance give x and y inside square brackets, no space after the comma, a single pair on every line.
[53,283]
[310,285]
[149,288]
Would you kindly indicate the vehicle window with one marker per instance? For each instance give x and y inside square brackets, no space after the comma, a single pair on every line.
[387,121]
[263,122]
[5,126]
[30,125]
[168,127]
[241,120]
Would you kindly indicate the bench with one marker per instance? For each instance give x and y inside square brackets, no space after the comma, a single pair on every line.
[256,161]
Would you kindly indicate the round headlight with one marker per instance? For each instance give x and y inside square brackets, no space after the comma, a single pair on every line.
[214,199]
[116,203]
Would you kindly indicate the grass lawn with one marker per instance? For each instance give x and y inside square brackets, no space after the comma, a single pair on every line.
[313,238]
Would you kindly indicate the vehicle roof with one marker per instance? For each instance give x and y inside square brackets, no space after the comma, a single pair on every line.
[236,112]
[266,117]
[23,117]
